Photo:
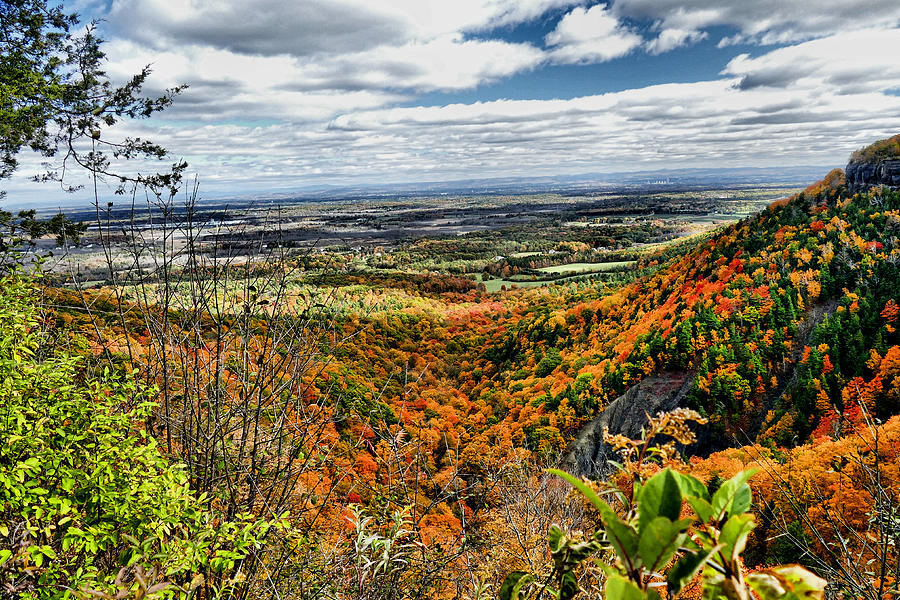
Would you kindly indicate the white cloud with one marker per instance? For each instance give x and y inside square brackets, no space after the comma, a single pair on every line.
[671,38]
[279,59]
[227,85]
[445,63]
[853,62]
[590,35]
[705,124]
[313,26]
[765,21]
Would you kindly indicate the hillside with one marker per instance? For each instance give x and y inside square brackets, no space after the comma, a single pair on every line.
[434,407]
[779,319]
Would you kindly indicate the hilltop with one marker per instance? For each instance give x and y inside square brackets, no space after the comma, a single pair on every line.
[879,151]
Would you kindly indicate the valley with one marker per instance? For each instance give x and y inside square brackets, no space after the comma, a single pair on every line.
[493,300]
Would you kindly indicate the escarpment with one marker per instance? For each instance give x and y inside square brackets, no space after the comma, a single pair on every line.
[875,165]
[589,456]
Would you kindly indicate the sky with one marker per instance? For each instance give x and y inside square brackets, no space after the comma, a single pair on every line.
[286,95]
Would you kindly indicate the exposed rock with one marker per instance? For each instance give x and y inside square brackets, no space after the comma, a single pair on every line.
[861,176]
[876,164]
[589,456]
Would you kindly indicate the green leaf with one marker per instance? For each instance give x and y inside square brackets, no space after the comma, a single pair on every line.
[803,583]
[659,540]
[691,486]
[660,497]
[787,581]
[766,585]
[623,537]
[569,586]
[513,585]
[734,534]
[683,571]
[734,497]
[622,589]
[4,555]
[701,507]
[555,539]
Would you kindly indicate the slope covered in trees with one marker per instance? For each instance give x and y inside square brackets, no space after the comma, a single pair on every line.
[417,417]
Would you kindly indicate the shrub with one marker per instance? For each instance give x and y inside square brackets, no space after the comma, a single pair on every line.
[88,502]
[648,536]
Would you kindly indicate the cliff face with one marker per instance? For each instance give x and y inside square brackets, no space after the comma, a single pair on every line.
[863,175]
[588,455]
[874,165]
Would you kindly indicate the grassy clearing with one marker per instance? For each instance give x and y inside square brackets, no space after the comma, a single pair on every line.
[586,267]
[494,285]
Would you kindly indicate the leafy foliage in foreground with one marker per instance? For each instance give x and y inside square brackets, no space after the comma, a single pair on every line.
[647,534]
[87,500]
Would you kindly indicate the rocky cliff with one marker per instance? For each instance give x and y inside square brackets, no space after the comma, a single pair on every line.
[861,176]
[874,165]
[589,456]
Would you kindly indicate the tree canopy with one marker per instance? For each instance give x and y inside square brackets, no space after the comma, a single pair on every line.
[57,100]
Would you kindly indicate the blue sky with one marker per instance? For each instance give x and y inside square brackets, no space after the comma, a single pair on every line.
[288,94]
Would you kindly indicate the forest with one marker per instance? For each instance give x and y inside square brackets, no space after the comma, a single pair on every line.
[196,410]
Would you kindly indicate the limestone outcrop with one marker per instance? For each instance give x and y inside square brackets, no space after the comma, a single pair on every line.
[875,165]
[864,175]
[589,456]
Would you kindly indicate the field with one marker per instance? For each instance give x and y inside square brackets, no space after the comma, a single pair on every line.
[586,267]
[497,241]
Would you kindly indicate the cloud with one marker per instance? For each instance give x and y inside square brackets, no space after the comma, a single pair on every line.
[712,124]
[282,113]
[669,39]
[227,85]
[312,27]
[590,35]
[445,63]
[847,63]
[279,59]
[764,21]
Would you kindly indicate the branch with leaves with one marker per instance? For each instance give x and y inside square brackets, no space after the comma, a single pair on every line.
[651,546]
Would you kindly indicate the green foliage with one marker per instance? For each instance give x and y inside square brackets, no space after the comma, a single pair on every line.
[55,93]
[648,537]
[548,363]
[380,558]
[87,498]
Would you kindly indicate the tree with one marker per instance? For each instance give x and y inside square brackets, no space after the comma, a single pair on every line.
[56,99]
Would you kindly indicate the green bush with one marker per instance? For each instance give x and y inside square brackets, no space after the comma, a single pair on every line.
[648,537]
[88,502]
